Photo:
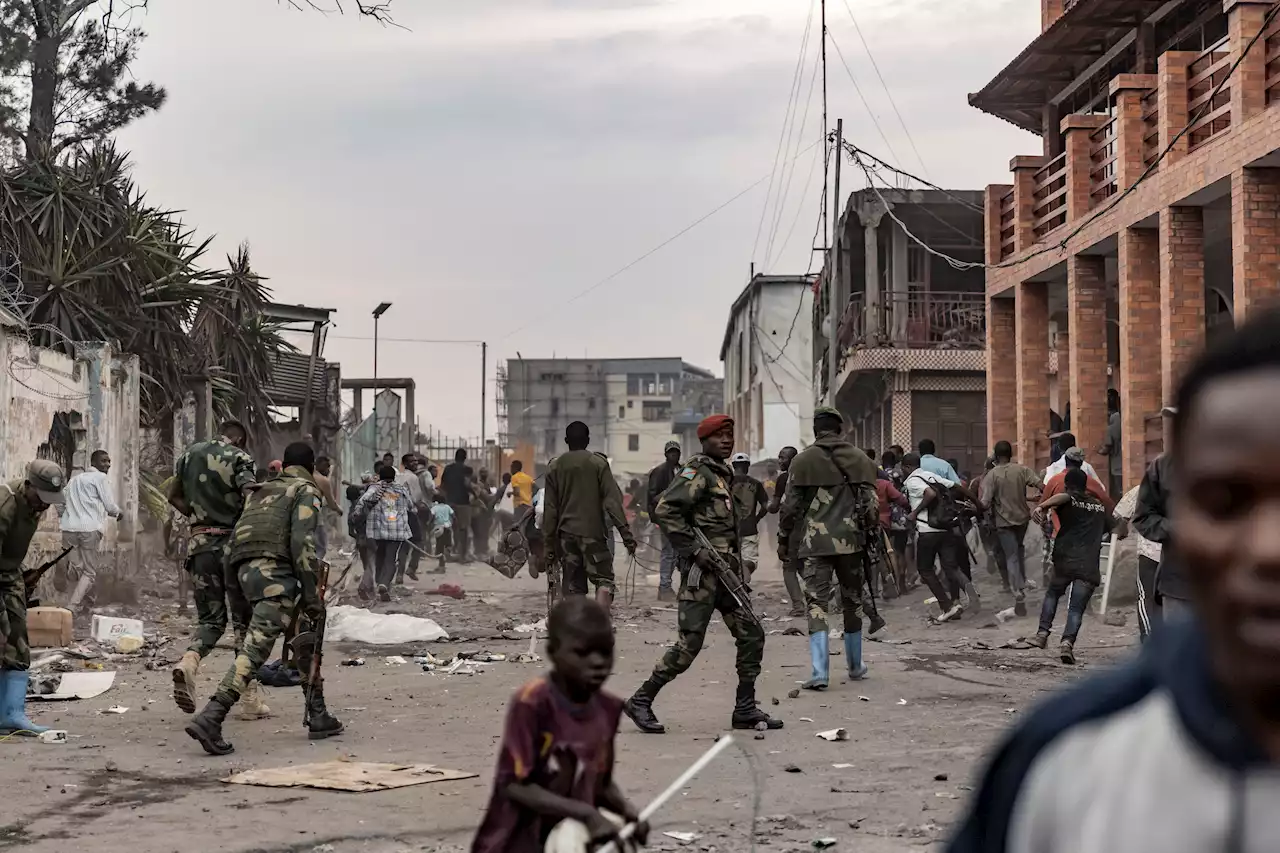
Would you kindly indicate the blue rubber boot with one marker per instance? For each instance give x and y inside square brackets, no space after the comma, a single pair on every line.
[853,653]
[13,717]
[819,657]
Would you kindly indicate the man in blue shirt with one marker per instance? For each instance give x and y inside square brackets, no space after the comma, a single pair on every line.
[929,461]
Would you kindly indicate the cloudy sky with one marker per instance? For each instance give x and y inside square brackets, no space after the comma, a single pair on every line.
[486,166]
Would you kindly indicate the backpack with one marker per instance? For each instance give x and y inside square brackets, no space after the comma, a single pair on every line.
[945,513]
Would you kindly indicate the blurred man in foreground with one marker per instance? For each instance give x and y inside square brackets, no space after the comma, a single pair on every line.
[1176,752]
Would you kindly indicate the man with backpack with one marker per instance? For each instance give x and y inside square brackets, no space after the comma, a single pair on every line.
[830,509]
[936,517]
[1004,494]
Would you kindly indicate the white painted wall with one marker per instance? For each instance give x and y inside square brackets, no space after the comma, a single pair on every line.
[783,357]
[627,463]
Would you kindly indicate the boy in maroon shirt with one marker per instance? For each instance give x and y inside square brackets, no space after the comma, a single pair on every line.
[556,759]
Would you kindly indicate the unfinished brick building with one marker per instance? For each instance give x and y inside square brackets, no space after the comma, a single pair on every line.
[1148,222]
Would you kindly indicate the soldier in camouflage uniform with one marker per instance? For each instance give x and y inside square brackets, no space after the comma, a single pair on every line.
[273,552]
[699,497]
[212,478]
[830,507]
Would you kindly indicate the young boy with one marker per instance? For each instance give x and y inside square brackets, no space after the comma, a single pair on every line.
[442,529]
[1083,521]
[554,778]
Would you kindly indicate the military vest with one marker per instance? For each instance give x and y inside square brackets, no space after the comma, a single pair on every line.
[264,525]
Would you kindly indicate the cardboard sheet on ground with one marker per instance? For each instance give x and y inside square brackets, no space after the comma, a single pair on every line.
[355,776]
[356,625]
[79,685]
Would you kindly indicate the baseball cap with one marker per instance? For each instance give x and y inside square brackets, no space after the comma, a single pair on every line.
[1075,454]
[670,445]
[741,457]
[48,480]
[827,411]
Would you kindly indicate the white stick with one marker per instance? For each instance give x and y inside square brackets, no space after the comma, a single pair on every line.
[659,801]
[1106,581]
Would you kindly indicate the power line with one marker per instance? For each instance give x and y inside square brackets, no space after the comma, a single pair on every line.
[858,88]
[655,249]
[851,148]
[885,85]
[400,340]
[781,203]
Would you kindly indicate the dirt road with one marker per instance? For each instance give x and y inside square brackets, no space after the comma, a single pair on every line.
[919,730]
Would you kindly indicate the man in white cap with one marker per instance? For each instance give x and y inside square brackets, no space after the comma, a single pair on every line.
[752,504]
[22,503]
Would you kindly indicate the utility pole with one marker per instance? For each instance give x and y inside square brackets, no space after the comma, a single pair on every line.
[835,289]
[484,368]
[377,315]
[826,148]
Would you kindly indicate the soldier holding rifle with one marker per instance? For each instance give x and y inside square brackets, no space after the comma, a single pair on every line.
[273,551]
[697,515]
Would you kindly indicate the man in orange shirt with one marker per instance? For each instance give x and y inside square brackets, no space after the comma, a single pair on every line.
[521,489]
[1056,484]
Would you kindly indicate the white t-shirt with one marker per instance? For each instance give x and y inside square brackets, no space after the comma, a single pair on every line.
[1061,465]
[915,485]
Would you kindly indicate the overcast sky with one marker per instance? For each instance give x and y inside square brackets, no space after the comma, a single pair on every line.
[485,167]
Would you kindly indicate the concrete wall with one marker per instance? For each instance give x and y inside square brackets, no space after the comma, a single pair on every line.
[625,414]
[95,395]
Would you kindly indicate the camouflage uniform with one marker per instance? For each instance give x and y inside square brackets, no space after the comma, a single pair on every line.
[18,525]
[273,552]
[582,501]
[700,497]
[212,475]
[830,522]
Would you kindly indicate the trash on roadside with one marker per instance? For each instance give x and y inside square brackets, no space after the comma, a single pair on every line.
[116,709]
[530,656]
[931,600]
[683,837]
[793,694]
[823,843]
[842,766]
[393,660]
[75,685]
[806,719]
[353,776]
[53,736]
[448,590]
[792,768]
[540,625]
[353,662]
[1005,615]
[108,629]
[793,631]
[129,644]
[276,674]
[902,701]
[834,734]
[864,698]
[356,625]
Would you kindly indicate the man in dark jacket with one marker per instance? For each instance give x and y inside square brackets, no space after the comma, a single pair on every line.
[1168,589]
[790,567]
[659,481]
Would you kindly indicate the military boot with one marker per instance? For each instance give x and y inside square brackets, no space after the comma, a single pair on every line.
[184,682]
[746,711]
[320,723]
[640,709]
[206,727]
[251,706]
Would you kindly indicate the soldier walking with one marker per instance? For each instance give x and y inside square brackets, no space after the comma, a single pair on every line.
[580,495]
[830,508]
[210,483]
[700,499]
[273,553]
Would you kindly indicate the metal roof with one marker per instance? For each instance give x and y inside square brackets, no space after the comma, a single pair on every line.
[288,385]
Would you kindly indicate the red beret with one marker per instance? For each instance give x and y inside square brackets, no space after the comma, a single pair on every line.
[712,425]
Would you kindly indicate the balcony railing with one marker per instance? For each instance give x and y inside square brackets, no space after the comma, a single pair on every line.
[1049,206]
[1102,164]
[1007,239]
[1150,127]
[917,320]
[1211,112]
[1273,61]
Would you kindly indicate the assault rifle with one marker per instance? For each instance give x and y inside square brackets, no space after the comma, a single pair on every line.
[314,640]
[31,578]
[725,575]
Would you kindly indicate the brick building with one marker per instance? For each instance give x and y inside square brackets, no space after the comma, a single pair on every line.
[910,328]
[1146,224]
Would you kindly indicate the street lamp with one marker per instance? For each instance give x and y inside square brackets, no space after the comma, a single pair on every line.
[377,315]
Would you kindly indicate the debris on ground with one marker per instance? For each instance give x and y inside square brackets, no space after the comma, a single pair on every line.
[393,660]
[940,777]
[356,625]
[823,843]
[353,662]
[834,734]
[793,694]
[115,709]
[683,837]
[71,685]
[52,736]
[448,590]
[353,776]
[108,629]
[530,656]
[793,631]
[1115,618]
[842,766]
[792,768]
[1005,615]
[533,628]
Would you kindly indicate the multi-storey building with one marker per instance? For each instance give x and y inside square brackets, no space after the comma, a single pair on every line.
[768,364]
[1145,224]
[632,405]
[909,326]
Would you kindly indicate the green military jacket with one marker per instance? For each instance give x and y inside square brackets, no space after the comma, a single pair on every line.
[824,513]
[580,495]
[278,529]
[212,475]
[700,496]
[18,523]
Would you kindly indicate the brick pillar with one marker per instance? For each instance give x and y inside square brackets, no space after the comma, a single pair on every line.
[1050,11]
[991,205]
[1024,187]
[1172,97]
[1077,131]
[1181,294]
[1140,342]
[1127,90]
[1249,82]
[1002,383]
[1062,346]
[1087,310]
[1031,328]
[1255,239]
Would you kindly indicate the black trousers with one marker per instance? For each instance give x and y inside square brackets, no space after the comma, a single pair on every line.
[943,547]
[385,554]
[1148,603]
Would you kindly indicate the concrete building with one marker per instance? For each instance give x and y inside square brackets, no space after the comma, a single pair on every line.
[63,408]
[629,404]
[768,364]
[909,327]
[1145,224]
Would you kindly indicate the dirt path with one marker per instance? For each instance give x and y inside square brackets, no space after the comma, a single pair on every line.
[135,782]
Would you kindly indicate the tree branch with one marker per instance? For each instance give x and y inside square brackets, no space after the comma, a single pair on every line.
[379,11]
